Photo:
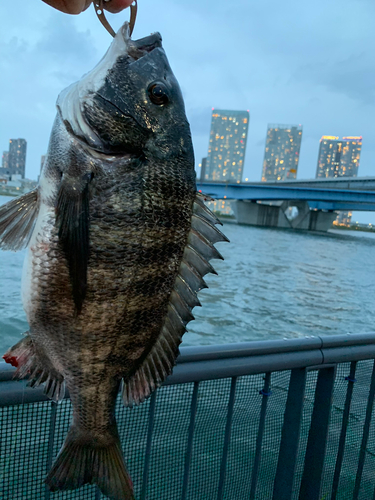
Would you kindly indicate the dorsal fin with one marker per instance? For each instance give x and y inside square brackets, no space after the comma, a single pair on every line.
[17,220]
[194,265]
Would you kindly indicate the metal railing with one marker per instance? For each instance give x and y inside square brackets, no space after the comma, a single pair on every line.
[280,420]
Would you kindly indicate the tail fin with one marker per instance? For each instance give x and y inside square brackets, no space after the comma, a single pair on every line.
[83,461]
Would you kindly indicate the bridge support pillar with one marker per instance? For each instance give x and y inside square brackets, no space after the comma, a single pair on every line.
[261,214]
[321,221]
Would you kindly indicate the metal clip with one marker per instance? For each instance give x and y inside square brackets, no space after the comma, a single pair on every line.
[98,5]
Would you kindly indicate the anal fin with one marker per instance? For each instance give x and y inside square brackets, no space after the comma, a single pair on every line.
[153,371]
[29,364]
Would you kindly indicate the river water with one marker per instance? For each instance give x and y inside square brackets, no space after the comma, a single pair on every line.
[272,284]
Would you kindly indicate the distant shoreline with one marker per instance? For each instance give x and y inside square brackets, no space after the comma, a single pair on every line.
[355,228]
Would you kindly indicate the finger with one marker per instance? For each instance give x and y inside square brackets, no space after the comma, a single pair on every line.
[69,6]
[115,6]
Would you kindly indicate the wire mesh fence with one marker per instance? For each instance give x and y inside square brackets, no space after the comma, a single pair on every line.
[229,438]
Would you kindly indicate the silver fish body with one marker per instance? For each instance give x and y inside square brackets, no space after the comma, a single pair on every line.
[118,243]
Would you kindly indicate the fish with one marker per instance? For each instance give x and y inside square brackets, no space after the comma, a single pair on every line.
[118,242]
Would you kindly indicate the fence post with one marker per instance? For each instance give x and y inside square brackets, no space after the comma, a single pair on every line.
[286,465]
[150,431]
[317,441]
[51,439]
[228,428]
[189,449]
[366,430]
[265,392]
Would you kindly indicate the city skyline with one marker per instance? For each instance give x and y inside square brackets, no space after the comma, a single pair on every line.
[227,147]
[341,155]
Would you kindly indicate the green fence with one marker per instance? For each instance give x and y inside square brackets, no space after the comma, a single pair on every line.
[274,420]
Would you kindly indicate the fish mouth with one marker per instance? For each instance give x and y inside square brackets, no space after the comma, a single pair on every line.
[139,48]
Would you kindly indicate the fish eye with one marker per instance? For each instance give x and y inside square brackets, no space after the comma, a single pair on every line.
[158,93]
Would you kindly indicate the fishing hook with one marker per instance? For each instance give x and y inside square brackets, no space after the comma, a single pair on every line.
[98,5]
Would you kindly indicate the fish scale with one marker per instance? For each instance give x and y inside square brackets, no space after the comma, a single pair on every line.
[118,244]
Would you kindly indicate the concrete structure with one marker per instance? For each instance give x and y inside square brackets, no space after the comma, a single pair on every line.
[227,145]
[268,204]
[281,153]
[276,215]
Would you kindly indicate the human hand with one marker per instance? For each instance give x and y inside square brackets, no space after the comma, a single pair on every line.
[78,6]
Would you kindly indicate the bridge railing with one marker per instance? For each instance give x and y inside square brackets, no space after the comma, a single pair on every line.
[281,420]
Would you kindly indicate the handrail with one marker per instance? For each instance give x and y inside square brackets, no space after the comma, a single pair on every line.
[199,363]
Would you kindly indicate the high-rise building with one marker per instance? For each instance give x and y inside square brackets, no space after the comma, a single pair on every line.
[17,157]
[350,156]
[227,145]
[5,160]
[281,154]
[202,166]
[339,158]
[4,170]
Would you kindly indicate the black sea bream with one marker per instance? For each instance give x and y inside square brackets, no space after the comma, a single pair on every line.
[118,241]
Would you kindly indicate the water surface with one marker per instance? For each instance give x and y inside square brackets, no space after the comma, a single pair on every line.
[272,284]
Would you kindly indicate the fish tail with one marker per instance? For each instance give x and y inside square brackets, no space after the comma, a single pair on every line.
[84,460]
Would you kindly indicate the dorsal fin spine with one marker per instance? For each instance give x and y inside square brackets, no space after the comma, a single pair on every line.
[208,230]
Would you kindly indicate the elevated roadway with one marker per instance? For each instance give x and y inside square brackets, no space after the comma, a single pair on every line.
[362,183]
[321,198]
[317,200]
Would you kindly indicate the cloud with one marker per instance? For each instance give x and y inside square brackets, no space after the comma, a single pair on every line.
[284,61]
[353,76]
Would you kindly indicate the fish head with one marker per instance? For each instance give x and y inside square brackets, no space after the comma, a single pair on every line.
[130,103]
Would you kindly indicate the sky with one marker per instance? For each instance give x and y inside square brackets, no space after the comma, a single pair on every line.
[286,62]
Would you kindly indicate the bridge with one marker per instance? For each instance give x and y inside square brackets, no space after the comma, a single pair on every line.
[317,200]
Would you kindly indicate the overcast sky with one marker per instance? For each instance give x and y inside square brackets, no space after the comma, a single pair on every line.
[291,62]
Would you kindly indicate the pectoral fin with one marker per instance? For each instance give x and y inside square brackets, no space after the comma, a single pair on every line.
[72,219]
[17,220]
